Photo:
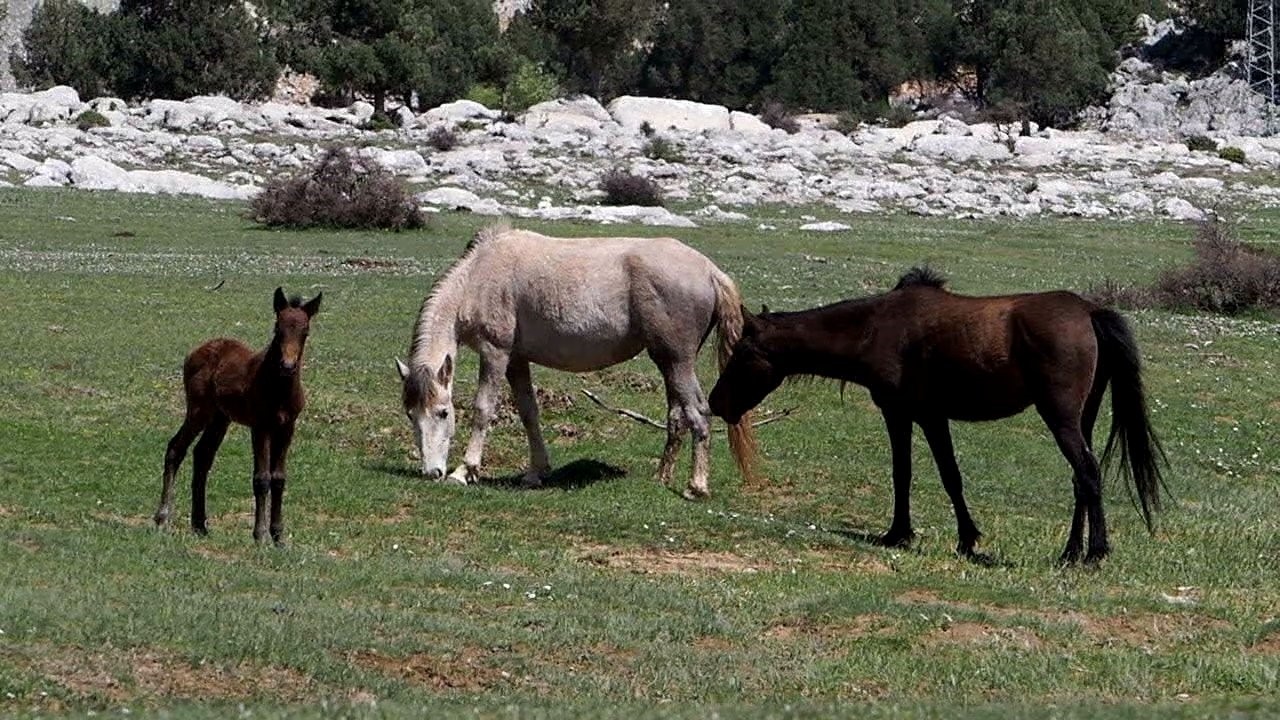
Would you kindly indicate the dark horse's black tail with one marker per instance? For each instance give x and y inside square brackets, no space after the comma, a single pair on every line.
[1141,455]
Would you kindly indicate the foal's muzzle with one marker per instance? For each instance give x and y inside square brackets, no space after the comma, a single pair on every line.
[433,473]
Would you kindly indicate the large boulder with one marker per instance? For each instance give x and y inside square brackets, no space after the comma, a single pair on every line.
[664,114]
[581,113]
[456,112]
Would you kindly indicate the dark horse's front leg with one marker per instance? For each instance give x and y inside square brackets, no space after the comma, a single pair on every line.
[280,440]
[261,480]
[900,533]
[938,433]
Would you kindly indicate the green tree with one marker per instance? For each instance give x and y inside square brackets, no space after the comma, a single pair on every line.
[385,49]
[842,55]
[1040,60]
[595,46]
[193,47]
[716,51]
[67,43]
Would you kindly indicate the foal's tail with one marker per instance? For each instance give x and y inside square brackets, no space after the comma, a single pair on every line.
[742,436]
[1141,456]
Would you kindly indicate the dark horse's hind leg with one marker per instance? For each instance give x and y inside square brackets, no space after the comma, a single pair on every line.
[173,456]
[1087,480]
[202,460]
[938,433]
[900,532]
[1088,417]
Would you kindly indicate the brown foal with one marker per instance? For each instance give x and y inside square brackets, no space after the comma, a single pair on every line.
[227,382]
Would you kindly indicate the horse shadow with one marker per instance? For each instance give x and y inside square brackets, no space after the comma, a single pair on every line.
[862,536]
[575,475]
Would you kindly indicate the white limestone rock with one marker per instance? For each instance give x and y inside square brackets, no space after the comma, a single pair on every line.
[666,114]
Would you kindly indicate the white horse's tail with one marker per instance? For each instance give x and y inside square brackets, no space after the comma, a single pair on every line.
[742,436]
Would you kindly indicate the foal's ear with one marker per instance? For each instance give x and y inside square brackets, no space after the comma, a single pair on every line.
[402,369]
[280,301]
[313,306]
[750,325]
[445,376]
[764,309]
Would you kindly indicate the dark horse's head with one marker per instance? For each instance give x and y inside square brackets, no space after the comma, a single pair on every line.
[752,372]
[293,322]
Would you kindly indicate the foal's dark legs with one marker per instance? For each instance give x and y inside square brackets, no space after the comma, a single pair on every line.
[280,440]
[900,532]
[938,433]
[261,481]
[173,456]
[205,451]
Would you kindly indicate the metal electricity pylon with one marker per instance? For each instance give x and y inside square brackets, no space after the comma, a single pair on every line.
[1261,34]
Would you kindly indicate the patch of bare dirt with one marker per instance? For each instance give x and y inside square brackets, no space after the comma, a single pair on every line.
[126,520]
[1268,645]
[870,624]
[140,673]
[711,643]
[972,633]
[214,553]
[27,544]
[366,263]
[7,511]
[660,562]
[1145,629]
[469,669]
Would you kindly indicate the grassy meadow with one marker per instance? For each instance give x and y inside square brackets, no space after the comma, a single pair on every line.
[602,595]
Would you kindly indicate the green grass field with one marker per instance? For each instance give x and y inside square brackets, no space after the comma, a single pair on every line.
[603,595]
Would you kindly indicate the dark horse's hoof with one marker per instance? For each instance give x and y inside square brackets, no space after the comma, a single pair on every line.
[200,530]
[896,538]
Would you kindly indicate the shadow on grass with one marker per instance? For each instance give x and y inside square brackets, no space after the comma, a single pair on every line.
[393,468]
[863,536]
[576,475]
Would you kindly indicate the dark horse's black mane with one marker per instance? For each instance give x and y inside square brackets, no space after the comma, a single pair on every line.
[921,275]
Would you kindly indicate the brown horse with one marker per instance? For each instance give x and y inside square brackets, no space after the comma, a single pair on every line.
[929,356]
[227,382]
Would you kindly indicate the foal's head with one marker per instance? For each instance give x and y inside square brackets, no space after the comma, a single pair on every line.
[427,394]
[293,322]
[752,372]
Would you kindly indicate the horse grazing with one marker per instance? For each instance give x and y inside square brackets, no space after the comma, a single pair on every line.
[227,382]
[929,356]
[516,297]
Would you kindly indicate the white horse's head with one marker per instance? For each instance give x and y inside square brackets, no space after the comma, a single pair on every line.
[427,394]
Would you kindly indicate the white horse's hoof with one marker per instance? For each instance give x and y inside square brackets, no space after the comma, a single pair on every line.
[695,493]
[462,476]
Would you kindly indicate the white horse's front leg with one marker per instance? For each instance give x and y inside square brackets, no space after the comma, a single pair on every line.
[527,403]
[492,367]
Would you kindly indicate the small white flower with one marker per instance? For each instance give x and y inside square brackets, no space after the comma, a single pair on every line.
[506,586]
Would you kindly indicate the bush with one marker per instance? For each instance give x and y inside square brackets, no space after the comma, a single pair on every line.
[442,139]
[378,122]
[1201,143]
[90,119]
[847,123]
[775,115]
[528,86]
[646,129]
[485,94]
[340,191]
[1226,277]
[1232,154]
[623,188]
[896,116]
[660,148]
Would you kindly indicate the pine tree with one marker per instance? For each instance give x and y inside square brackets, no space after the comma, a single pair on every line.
[593,45]
[716,51]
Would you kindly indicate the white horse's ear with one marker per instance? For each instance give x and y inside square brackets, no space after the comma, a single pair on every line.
[403,369]
[445,376]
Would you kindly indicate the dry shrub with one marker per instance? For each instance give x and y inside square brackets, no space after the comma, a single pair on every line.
[1226,277]
[623,188]
[442,139]
[775,115]
[339,191]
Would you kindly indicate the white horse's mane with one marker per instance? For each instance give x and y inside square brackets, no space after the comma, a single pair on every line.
[444,296]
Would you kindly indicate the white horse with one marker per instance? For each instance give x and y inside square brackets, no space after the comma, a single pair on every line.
[516,297]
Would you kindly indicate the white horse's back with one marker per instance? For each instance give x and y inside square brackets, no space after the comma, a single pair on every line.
[581,304]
